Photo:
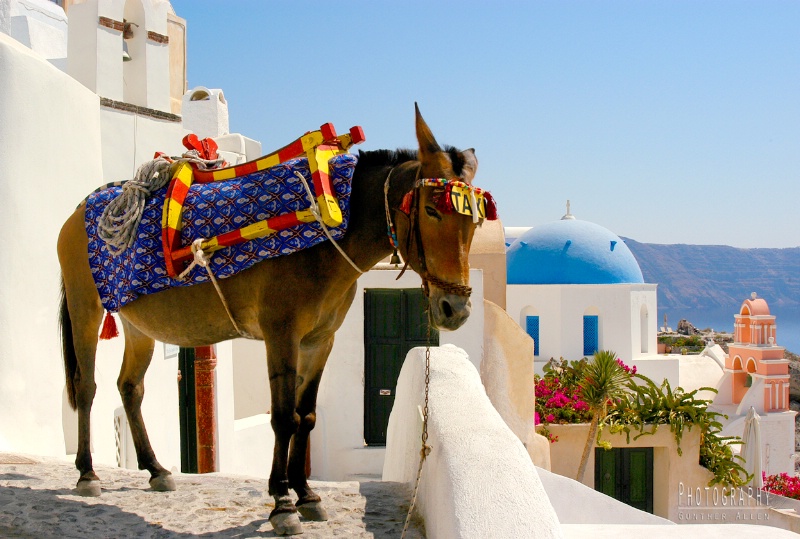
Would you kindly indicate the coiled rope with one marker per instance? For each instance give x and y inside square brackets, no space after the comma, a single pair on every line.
[119,223]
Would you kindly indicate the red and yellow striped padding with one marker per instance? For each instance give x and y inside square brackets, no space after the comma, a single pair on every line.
[318,146]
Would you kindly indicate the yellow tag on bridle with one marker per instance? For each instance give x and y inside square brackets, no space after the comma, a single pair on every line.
[467,201]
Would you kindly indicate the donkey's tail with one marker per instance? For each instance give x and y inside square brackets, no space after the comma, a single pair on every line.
[68,347]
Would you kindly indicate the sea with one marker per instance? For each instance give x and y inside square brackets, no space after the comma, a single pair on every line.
[787,322]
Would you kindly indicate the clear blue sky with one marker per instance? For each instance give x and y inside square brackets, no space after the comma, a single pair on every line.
[666,122]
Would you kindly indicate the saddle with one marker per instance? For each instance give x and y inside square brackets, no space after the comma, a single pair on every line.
[243,214]
[318,146]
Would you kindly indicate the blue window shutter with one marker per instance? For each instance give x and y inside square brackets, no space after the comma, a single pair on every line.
[532,329]
[590,335]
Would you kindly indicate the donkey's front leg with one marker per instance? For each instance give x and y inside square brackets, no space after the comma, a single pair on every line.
[314,355]
[137,357]
[282,349]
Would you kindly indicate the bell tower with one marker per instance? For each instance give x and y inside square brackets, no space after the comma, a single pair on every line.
[760,373]
[120,49]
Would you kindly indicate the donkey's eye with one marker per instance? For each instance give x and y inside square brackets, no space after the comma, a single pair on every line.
[431,211]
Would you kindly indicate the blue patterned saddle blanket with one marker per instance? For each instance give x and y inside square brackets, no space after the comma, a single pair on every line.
[212,209]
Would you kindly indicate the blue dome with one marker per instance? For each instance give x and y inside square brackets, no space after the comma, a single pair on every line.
[570,251]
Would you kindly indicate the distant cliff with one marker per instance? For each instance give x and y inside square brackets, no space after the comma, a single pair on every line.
[719,277]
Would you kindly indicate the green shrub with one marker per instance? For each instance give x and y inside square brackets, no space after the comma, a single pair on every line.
[639,411]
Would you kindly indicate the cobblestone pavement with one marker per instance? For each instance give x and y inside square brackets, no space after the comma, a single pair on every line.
[37,500]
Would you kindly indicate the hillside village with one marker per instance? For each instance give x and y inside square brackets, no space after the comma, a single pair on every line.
[564,288]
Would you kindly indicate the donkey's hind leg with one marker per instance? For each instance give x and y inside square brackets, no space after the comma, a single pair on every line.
[138,353]
[84,336]
[80,316]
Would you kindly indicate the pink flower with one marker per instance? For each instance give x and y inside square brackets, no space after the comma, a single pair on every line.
[536,419]
[550,418]
[559,400]
[581,406]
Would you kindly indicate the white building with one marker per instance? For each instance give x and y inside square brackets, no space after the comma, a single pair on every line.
[74,115]
[575,288]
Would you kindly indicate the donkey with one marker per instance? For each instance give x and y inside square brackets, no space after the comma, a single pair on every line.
[293,303]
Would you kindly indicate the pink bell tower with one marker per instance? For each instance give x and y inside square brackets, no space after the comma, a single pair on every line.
[760,371]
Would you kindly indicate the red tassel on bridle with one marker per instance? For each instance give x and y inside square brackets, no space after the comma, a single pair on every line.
[445,204]
[491,206]
[408,200]
[109,330]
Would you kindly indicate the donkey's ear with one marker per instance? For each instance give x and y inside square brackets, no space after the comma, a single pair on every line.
[435,162]
[427,144]
[470,166]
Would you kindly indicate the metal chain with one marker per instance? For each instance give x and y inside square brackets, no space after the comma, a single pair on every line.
[426,449]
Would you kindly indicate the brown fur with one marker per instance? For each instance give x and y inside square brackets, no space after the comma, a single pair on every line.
[294,303]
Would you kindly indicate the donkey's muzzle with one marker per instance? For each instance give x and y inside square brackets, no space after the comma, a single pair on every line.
[448,311]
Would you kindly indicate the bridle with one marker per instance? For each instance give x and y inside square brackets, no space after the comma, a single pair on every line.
[411,202]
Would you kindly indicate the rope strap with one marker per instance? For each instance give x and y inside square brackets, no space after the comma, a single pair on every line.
[203,260]
[315,211]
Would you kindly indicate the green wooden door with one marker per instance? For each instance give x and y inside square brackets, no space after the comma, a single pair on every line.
[626,474]
[395,321]
[187,411]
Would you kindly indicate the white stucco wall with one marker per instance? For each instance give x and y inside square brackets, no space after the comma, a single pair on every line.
[40,25]
[595,507]
[206,112]
[49,157]
[507,374]
[706,531]
[698,371]
[478,480]
[658,368]
[561,309]
[42,183]
[777,437]
[131,139]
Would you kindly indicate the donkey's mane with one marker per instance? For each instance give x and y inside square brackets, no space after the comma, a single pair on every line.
[392,158]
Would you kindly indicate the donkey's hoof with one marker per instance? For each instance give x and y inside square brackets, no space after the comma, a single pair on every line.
[88,487]
[286,524]
[163,483]
[313,511]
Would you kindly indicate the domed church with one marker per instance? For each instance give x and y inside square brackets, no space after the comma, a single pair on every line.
[576,288]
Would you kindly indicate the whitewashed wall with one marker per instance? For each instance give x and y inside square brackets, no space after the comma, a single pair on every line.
[131,139]
[40,25]
[50,158]
[479,480]
[561,309]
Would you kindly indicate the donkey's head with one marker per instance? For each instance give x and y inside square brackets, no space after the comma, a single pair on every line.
[437,221]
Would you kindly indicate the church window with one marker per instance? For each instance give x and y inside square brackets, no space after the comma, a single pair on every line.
[532,329]
[590,334]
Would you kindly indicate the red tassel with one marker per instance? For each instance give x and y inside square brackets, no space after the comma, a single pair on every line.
[109,330]
[405,207]
[491,206]
[445,204]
